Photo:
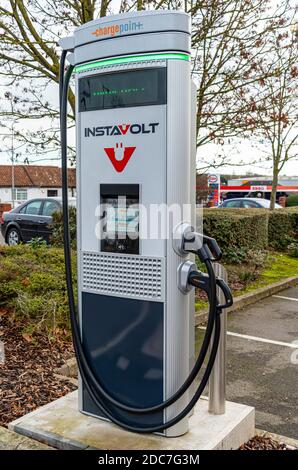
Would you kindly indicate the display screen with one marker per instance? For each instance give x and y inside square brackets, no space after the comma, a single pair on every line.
[120,210]
[122,215]
[142,87]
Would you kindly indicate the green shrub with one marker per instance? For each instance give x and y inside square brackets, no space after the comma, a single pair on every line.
[292,200]
[233,255]
[282,227]
[292,249]
[237,231]
[32,284]
[57,228]
[36,242]
[293,215]
[248,276]
[279,229]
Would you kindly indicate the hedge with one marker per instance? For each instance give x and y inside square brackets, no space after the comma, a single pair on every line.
[234,229]
[292,200]
[57,228]
[293,214]
[282,227]
[251,229]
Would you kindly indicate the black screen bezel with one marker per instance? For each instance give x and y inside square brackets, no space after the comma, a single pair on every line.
[162,91]
[130,191]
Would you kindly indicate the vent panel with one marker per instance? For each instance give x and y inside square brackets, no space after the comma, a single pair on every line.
[130,276]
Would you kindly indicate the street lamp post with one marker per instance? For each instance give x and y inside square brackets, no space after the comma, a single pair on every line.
[9,96]
[12,163]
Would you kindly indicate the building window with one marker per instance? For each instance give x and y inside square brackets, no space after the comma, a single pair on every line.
[20,194]
[52,192]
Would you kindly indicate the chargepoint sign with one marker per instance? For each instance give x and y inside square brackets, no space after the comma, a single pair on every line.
[121,142]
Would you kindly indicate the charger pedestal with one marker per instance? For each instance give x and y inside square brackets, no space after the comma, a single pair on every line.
[60,424]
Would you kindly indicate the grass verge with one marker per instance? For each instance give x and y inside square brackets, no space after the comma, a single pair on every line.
[247,277]
[278,266]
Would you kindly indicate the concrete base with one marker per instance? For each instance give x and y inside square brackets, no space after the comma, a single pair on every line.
[60,425]
[10,440]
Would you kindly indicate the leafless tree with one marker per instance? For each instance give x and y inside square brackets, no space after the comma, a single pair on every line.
[275,117]
[229,43]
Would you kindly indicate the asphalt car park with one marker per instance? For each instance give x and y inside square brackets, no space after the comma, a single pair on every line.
[262,361]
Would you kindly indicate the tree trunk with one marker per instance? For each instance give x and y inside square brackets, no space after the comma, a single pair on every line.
[88,9]
[104,8]
[274,187]
[140,5]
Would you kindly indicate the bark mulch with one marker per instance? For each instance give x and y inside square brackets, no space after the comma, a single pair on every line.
[265,443]
[27,377]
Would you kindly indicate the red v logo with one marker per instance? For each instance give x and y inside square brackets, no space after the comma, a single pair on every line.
[124,128]
[119,163]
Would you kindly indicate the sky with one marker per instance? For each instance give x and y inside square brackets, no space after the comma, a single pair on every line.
[245,156]
[238,152]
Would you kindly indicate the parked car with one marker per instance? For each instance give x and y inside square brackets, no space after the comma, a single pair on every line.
[248,203]
[30,219]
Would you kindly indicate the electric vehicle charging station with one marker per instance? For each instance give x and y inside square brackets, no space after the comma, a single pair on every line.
[136,131]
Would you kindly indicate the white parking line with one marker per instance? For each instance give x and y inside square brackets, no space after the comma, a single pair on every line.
[286,298]
[257,338]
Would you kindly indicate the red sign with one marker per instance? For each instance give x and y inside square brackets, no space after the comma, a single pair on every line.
[119,156]
[259,188]
[213,179]
[249,188]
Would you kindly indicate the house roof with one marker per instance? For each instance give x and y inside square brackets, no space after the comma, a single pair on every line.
[35,176]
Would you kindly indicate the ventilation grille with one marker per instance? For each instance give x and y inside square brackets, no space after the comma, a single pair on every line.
[131,276]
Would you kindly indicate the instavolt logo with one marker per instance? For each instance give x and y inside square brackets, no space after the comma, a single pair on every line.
[119,155]
[121,129]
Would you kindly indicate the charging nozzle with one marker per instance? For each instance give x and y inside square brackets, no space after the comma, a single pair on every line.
[187,240]
[201,280]
[203,246]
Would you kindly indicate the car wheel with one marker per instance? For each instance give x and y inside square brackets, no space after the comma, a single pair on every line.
[13,237]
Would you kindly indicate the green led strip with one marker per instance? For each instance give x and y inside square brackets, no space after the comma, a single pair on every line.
[125,60]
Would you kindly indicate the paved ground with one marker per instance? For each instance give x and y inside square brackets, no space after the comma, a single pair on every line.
[260,368]
[1,240]
[12,441]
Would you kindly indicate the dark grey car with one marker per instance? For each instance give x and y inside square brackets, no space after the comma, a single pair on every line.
[30,220]
[248,203]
